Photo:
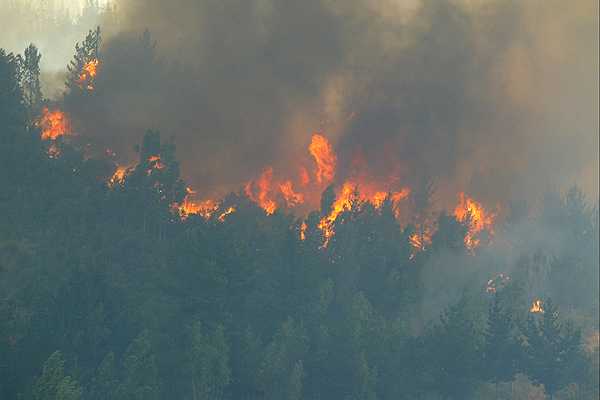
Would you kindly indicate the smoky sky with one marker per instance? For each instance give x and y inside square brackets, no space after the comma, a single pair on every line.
[496,98]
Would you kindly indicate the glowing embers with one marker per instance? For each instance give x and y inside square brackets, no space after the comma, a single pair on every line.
[225,213]
[537,307]
[154,164]
[477,218]
[497,283]
[420,239]
[87,77]
[53,124]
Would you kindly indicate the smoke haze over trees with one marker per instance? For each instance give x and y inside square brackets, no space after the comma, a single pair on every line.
[470,94]
[400,200]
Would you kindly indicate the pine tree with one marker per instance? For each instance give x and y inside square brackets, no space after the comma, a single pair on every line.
[209,362]
[280,373]
[53,384]
[553,350]
[141,381]
[500,348]
[85,53]
[105,381]
[30,80]
[454,350]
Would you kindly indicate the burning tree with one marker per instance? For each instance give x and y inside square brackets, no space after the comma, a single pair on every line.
[83,69]
[553,350]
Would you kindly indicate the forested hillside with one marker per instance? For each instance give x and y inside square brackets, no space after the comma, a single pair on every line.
[114,285]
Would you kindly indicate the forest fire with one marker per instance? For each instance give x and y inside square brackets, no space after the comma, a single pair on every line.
[88,74]
[325,158]
[291,197]
[188,207]
[420,239]
[53,124]
[225,213]
[537,307]
[478,219]
[271,193]
[118,177]
[205,208]
[155,163]
[261,191]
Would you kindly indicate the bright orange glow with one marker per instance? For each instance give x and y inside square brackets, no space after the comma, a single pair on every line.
[537,307]
[119,176]
[350,196]
[343,202]
[291,198]
[53,124]
[260,191]
[479,220]
[325,158]
[205,208]
[88,74]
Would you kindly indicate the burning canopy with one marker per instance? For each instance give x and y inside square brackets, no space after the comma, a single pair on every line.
[272,191]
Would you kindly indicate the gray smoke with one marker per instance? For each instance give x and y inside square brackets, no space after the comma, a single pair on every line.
[495,98]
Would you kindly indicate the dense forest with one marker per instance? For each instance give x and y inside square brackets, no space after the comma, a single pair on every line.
[109,291]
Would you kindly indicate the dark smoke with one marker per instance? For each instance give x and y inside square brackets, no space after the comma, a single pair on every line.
[497,98]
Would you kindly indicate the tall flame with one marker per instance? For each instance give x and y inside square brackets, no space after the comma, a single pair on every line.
[325,158]
[342,203]
[53,124]
[479,220]
[290,196]
[262,194]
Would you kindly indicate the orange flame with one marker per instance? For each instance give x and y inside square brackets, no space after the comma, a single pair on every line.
[205,208]
[88,74]
[479,220]
[264,188]
[119,176]
[53,124]
[325,158]
[343,202]
[537,307]
[351,195]
[291,198]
